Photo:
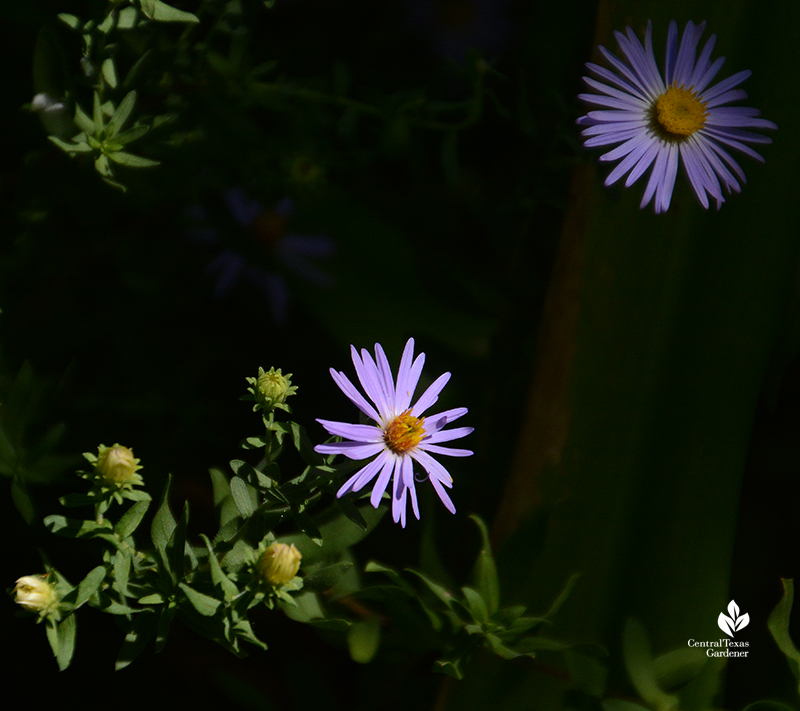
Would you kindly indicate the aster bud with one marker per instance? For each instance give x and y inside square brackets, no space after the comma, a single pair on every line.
[271,388]
[116,465]
[279,563]
[36,594]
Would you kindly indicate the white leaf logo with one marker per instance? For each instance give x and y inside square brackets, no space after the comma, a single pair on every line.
[734,623]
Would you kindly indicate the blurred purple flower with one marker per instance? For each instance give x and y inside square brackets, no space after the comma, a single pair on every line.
[454,27]
[268,228]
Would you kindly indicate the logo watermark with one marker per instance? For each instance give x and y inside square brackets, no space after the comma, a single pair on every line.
[729,624]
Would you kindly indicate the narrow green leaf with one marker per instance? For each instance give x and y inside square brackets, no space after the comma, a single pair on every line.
[204,604]
[218,577]
[122,569]
[306,524]
[163,522]
[141,632]
[442,593]
[477,605]
[109,72]
[154,599]
[161,12]
[90,585]
[485,570]
[102,166]
[70,147]
[131,160]
[121,114]
[61,636]
[242,496]
[165,618]
[97,115]
[563,595]
[131,519]
[73,528]
[132,134]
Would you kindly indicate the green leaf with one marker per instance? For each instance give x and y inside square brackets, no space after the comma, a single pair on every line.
[485,570]
[325,578]
[165,618]
[306,524]
[477,605]
[304,446]
[122,569]
[127,20]
[61,636]
[121,114]
[163,522]
[101,165]
[75,500]
[131,519]
[131,135]
[204,604]
[69,20]
[70,147]
[141,632]
[778,624]
[73,528]
[161,12]
[98,120]
[89,585]
[363,640]
[131,160]
[109,72]
[243,496]
[639,663]
[563,595]
[218,577]
[154,599]
[442,593]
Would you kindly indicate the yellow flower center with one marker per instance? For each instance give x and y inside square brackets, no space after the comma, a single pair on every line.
[404,432]
[679,111]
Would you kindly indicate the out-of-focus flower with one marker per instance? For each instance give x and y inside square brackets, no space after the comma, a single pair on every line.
[116,466]
[678,117]
[454,27]
[401,435]
[36,594]
[279,563]
[55,115]
[267,228]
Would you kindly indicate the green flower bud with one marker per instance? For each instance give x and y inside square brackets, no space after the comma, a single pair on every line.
[271,388]
[279,563]
[36,594]
[116,466]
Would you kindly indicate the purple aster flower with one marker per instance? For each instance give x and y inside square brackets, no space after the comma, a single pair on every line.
[401,435]
[678,117]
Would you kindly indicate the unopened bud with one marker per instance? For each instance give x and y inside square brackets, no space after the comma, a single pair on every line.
[279,563]
[116,465]
[273,387]
[36,594]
